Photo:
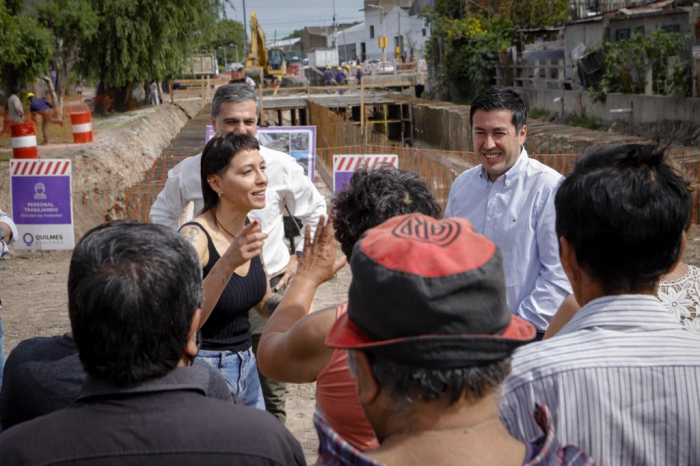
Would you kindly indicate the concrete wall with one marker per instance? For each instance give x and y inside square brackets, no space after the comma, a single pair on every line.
[646,108]
[442,125]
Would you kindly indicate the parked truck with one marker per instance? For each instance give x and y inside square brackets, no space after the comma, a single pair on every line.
[320,58]
[202,64]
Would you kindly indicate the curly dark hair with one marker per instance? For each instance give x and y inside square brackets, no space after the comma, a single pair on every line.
[376,195]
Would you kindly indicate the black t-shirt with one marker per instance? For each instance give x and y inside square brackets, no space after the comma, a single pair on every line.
[43,375]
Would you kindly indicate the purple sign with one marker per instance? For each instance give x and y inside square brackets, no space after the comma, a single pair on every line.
[342,179]
[40,200]
[344,166]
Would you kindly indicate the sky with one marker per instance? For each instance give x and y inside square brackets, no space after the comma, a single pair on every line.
[284,16]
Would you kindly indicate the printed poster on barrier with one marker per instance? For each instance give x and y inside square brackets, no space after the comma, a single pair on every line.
[42,206]
[345,165]
[297,141]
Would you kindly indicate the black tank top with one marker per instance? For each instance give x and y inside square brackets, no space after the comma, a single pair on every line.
[228,327]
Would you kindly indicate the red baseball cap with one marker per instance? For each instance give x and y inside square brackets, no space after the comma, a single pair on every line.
[429,293]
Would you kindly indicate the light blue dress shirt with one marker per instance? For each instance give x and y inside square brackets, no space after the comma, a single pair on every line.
[517,213]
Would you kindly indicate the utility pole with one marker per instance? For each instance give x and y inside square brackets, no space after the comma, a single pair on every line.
[335,34]
[400,41]
[225,61]
[245,31]
[383,21]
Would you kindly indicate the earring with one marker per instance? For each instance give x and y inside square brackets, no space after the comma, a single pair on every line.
[220,194]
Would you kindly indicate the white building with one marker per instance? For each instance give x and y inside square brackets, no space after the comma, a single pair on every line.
[390,18]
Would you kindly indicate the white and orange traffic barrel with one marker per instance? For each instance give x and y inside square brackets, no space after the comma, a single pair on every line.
[81,124]
[23,141]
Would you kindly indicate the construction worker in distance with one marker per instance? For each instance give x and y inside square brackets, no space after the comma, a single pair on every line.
[39,106]
[359,74]
[328,75]
[276,84]
[340,76]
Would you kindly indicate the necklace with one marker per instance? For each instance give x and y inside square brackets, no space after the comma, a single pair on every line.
[223,227]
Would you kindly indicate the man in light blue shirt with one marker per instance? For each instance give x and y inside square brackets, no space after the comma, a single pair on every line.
[509,198]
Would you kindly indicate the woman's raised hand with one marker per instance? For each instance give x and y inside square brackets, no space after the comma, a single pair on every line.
[318,262]
[246,245]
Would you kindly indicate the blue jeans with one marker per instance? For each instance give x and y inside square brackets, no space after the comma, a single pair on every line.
[241,373]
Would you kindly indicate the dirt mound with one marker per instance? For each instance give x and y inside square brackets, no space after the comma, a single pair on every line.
[663,132]
[126,146]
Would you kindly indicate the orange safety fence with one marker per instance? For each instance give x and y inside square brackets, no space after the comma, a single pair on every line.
[53,124]
[98,197]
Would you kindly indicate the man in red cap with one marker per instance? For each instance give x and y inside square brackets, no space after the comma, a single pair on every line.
[431,336]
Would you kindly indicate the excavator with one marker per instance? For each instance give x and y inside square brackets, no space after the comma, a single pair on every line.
[272,61]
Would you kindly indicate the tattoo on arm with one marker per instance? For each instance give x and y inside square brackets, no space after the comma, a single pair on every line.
[191,234]
[226,279]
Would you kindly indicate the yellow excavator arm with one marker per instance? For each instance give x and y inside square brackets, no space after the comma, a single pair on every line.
[272,62]
[257,43]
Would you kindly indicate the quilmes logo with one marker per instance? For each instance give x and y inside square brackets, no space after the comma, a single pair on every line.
[428,230]
[28,239]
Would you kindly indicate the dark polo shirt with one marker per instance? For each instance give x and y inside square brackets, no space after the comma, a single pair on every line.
[164,421]
[44,374]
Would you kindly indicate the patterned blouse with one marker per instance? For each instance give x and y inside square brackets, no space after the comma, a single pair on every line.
[682,298]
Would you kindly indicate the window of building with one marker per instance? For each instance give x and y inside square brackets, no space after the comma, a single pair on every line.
[425,33]
[622,34]
[672,28]
[371,32]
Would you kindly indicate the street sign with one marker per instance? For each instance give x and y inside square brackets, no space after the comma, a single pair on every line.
[345,165]
[42,206]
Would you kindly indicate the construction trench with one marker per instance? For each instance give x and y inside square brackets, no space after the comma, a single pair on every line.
[431,138]
[120,174]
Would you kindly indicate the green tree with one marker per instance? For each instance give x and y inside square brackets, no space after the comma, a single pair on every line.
[25,47]
[627,61]
[230,35]
[70,22]
[144,39]
[535,13]
[294,35]
[472,45]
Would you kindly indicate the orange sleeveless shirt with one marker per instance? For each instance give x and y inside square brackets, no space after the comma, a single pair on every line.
[336,397]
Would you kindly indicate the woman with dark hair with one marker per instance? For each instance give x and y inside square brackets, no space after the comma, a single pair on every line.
[292,347]
[229,246]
